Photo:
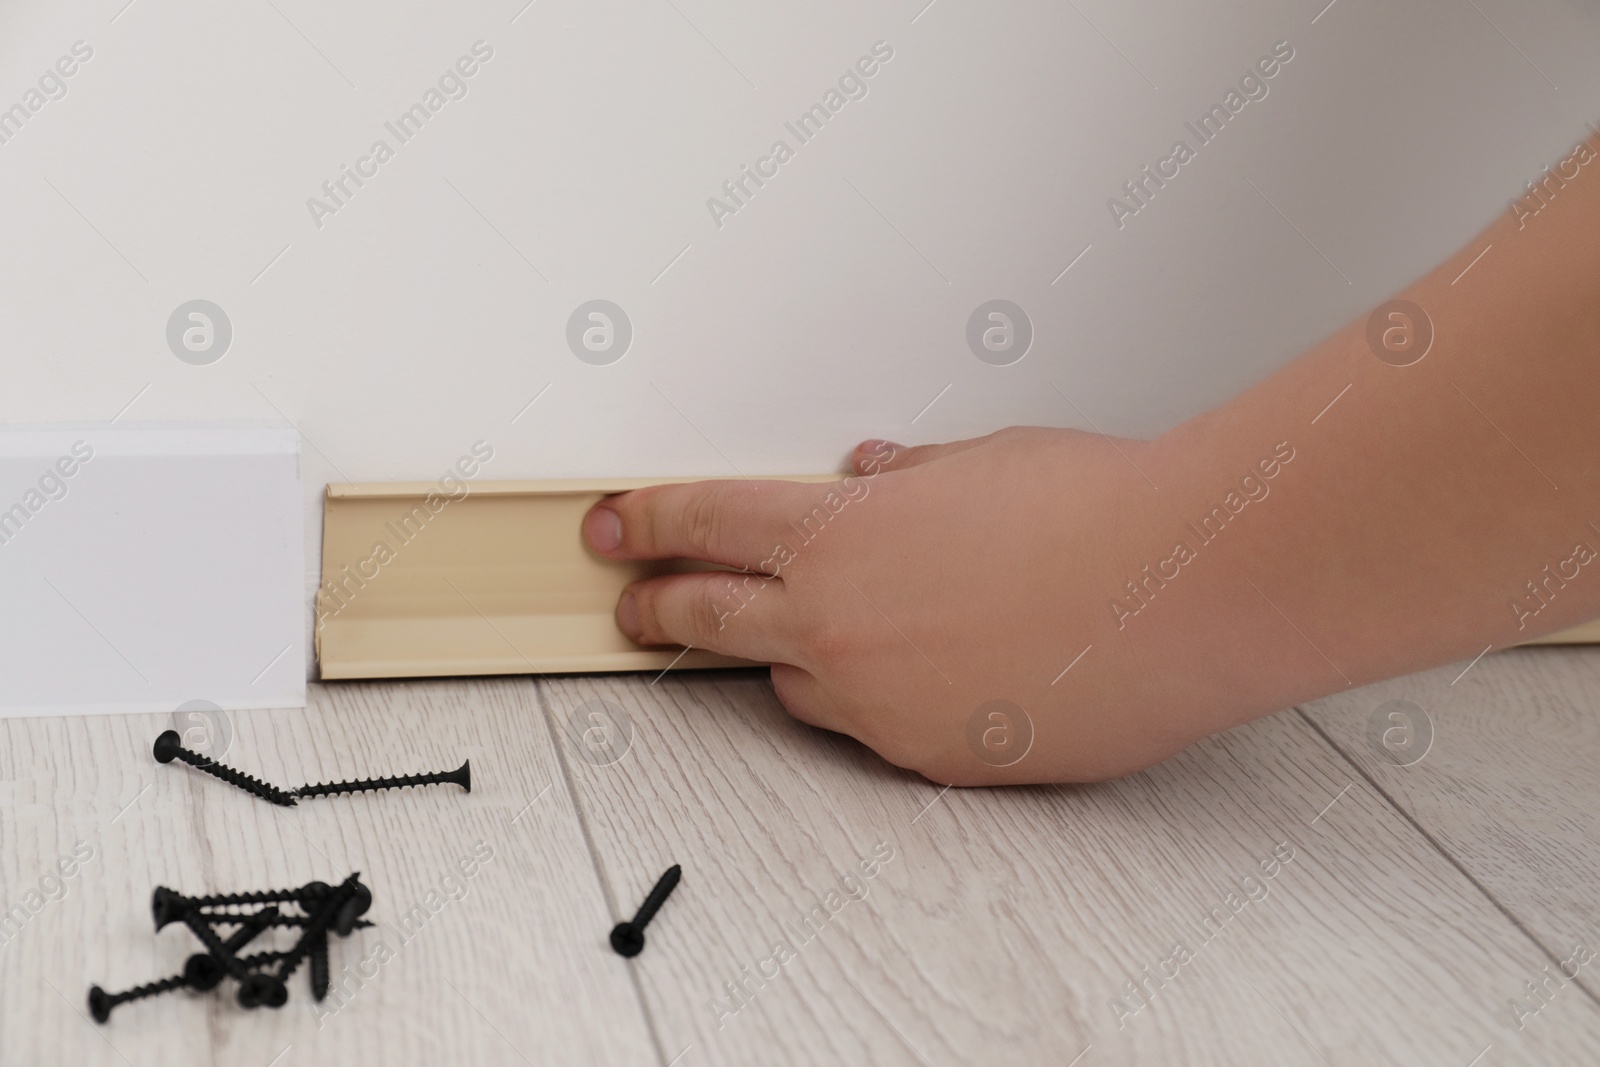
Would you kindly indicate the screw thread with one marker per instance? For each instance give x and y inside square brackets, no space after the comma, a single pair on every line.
[362,785]
[265,896]
[658,896]
[319,965]
[279,921]
[261,959]
[149,989]
[237,778]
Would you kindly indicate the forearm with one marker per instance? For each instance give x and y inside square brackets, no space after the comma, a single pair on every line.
[1422,504]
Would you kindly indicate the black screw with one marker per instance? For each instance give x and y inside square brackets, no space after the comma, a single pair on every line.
[267,896]
[461,776]
[200,972]
[101,1002]
[329,908]
[169,747]
[281,921]
[319,965]
[628,937]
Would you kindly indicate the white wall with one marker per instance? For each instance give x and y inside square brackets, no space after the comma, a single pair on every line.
[429,310]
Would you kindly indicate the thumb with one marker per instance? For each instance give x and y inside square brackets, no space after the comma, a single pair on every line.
[875,457]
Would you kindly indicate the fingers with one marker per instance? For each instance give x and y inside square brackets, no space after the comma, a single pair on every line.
[875,457]
[736,523]
[735,614]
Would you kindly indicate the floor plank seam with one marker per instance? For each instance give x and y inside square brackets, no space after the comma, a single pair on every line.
[594,858]
[1439,847]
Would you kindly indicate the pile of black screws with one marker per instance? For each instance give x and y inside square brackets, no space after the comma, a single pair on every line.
[263,977]
[169,747]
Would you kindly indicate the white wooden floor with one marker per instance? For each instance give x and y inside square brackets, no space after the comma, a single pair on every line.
[997,926]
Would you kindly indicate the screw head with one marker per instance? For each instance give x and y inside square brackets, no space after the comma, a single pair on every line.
[166,906]
[352,909]
[202,972]
[275,994]
[99,1004]
[167,746]
[627,939]
[259,989]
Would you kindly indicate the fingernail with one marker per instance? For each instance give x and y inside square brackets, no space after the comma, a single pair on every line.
[603,530]
[628,616]
[879,447]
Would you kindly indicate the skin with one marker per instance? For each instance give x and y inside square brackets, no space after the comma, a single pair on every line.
[1403,533]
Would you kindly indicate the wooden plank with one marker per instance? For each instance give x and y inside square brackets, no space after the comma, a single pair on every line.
[502,583]
[487,971]
[1587,633]
[1005,922]
[1508,786]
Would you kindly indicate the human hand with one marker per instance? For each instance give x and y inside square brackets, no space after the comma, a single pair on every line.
[932,581]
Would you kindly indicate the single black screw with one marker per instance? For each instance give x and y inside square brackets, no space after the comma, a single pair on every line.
[308,891]
[170,906]
[280,921]
[461,776]
[628,937]
[169,747]
[101,1002]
